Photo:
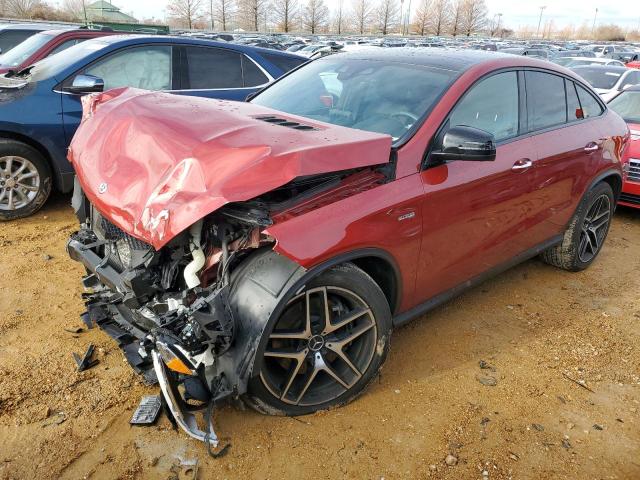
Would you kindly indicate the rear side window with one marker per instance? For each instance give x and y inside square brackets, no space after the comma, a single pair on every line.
[252,75]
[65,45]
[491,105]
[546,103]
[590,106]
[574,111]
[284,63]
[209,68]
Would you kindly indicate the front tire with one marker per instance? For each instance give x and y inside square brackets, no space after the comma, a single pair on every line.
[25,180]
[325,347]
[586,233]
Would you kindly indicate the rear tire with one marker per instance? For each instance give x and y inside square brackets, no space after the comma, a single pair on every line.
[25,180]
[353,350]
[586,233]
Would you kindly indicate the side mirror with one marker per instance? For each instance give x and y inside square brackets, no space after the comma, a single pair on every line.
[85,84]
[465,143]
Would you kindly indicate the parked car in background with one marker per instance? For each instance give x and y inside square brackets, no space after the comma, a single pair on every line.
[627,105]
[274,264]
[608,80]
[44,44]
[578,61]
[40,106]
[12,34]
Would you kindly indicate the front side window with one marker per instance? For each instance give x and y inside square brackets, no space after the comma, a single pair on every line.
[147,67]
[209,68]
[374,95]
[491,105]
[546,104]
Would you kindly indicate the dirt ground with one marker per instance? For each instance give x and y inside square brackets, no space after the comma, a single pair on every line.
[535,330]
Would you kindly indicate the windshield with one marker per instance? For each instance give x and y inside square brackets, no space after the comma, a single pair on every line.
[627,105]
[54,64]
[24,50]
[600,77]
[377,96]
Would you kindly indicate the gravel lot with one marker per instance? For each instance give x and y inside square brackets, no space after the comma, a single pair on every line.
[537,332]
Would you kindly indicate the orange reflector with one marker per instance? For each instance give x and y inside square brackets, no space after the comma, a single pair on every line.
[178,365]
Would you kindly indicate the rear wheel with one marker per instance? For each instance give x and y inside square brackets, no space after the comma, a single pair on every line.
[325,347]
[25,180]
[587,231]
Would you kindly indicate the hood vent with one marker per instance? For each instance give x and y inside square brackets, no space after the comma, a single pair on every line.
[283,122]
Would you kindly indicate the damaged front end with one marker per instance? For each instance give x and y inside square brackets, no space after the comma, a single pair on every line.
[181,270]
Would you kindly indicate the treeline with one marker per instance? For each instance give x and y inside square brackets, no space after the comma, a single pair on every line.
[365,17]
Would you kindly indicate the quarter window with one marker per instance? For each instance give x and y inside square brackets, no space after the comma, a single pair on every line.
[491,105]
[147,67]
[251,74]
[546,103]
[209,68]
[590,106]
[574,111]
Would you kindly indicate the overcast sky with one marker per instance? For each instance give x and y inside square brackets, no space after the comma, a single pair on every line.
[514,13]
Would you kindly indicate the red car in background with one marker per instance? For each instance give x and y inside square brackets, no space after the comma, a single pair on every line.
[45,44]
[627,105]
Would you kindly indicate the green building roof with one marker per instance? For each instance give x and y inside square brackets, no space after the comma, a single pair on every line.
[102,10]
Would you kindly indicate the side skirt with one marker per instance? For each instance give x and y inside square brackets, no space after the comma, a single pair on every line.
[447,295]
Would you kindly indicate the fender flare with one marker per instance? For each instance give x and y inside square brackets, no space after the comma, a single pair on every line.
[261,287]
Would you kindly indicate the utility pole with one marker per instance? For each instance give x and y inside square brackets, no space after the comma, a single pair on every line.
[540,20]
[401,17]
[408,18]
[84,10]
[211,13]
[593,28]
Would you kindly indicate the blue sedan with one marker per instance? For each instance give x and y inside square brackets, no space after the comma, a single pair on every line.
[40,106]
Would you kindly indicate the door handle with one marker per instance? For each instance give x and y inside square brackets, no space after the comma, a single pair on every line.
[591,147]
[522,164]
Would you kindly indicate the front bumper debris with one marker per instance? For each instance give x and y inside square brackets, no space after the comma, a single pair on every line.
[183,417]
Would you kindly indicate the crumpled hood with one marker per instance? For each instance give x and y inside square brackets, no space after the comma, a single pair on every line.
[155,163]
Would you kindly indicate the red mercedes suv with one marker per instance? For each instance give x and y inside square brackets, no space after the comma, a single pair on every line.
[266,250]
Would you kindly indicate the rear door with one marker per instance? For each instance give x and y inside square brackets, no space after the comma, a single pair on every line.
[477,214]
[218,73]
[567,143]
[146,66]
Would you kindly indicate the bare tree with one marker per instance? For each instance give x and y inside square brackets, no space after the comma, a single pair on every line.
[422,17]
[223,11]
[186,12]
[22,8]
[457,11]
[252,13]
[73,9]
[387,15]
[285,12]
[440,17]
[315,16]
[362,13]
[474,16]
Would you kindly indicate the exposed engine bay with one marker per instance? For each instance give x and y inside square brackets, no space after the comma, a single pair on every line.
[170,309]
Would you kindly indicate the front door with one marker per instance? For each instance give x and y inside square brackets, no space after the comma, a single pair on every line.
[477,214]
